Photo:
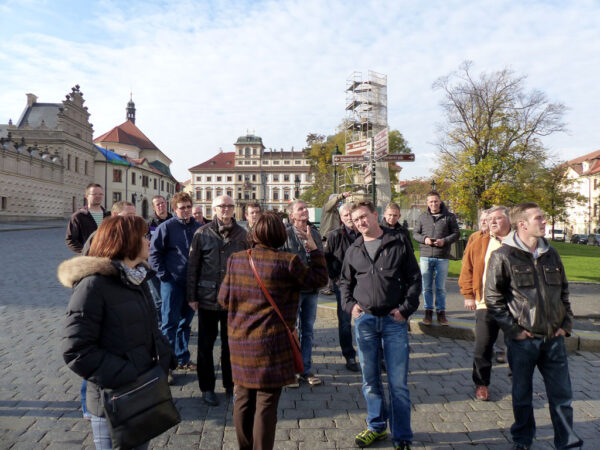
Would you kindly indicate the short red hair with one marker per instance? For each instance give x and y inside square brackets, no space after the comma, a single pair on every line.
[119,237]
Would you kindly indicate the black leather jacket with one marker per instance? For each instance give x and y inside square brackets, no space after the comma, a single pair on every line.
[523,293]
[207,262]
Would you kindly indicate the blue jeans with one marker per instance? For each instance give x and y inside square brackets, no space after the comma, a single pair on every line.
[550,357]
[176,319]
[307,314]
[344,326]
[102,436]
[83,397]
[434,269]
[376,336]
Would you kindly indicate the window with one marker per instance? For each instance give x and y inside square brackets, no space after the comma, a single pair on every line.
[145,181]
[286,177]
[266,163]
[239,178]
[208,196]
[239,195]
[286,162]
[117,173]
[4,203]
[116,197]
[254,196]
[254,151]
[155,184]
[68,162]
[254,163]
[275,177]
[198,195]
[247,151]
[229,178]
[85,167]
[198,178]
[76,164]
[133,196]
[219,192]
[286,195]
[276,162]
[246,195]
[162,185]
[219,179]
[275,195]
[132,177]
[246,177]
[209,179]
[297,162]
[253,177]
[230,193]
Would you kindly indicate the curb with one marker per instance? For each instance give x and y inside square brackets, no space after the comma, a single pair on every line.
[580,340]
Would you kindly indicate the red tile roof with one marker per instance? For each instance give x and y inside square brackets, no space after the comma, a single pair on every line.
[594,160]
[127,133]
[224,160]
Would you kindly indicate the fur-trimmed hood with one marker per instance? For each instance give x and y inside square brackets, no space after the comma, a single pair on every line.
[75,269]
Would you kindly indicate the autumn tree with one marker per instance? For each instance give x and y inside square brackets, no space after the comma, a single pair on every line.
[491,134]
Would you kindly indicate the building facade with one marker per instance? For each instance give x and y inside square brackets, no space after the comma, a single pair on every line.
[251,173]
[131,167]
[46,159]
[584,218]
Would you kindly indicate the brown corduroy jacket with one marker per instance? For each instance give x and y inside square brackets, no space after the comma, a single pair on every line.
[473,265]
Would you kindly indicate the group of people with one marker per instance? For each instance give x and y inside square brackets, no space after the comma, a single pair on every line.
[137,291]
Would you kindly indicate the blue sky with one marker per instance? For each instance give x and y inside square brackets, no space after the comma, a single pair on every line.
[202,73]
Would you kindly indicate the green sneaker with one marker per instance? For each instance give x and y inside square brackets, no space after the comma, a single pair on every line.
[367,437]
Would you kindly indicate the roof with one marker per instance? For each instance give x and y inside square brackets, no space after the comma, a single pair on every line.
[161,167]
[224,160]
[128,133]
[594,163]
[249,139]
[34,115]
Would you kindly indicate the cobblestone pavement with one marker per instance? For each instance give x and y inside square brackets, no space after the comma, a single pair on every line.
[39,396]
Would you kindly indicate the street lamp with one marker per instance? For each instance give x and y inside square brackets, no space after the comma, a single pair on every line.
[336,152]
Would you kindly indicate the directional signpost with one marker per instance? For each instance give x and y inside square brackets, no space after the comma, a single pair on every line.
[349,158]
[381,143]
[357,147]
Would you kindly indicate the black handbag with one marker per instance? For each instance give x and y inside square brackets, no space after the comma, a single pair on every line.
[141,410]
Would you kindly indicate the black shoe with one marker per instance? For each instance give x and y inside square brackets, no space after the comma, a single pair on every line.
[210,398]
[519,447]
[351,365]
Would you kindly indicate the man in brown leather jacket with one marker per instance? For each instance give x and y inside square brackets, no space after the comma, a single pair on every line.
[526,291]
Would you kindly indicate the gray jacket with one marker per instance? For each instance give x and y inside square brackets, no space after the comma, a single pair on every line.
[444,226]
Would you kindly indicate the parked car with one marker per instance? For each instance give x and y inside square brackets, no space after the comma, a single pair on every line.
[559,235]
[579,239]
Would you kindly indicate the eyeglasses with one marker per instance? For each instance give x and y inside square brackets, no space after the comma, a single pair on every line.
[184,207]
[225,206]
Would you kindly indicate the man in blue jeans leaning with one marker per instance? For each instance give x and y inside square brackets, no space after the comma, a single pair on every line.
[380,286]
[435,230]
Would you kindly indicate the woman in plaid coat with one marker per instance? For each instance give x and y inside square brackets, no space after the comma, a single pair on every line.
[261,353]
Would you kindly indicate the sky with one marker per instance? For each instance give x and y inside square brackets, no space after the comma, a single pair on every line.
[203,73]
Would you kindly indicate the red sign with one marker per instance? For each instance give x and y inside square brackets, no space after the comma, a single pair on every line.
[381,143]
[356,147]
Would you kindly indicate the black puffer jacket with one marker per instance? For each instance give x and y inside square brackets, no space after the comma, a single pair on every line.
[523,293]
[110,327]
[391,280]
[207,262]
[442,227]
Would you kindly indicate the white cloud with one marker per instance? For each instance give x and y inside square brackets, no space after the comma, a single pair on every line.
[202,73]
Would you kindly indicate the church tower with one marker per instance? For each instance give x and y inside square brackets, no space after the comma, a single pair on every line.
[130,110]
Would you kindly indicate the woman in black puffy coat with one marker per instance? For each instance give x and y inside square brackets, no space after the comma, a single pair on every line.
[111,327]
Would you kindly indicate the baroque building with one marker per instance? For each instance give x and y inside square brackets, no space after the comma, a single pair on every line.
[131,167]
[250,173]
[584,218]
[46,159]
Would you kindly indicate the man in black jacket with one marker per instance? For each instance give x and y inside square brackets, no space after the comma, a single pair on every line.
[211,246]
[335,248]
[86,220]
[380,287]
[391,219]
[161,214]
[526,291]
[435,230]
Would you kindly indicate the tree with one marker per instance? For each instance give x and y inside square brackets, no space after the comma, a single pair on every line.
[492,133]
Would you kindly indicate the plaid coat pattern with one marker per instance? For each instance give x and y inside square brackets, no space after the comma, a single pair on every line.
[261,353]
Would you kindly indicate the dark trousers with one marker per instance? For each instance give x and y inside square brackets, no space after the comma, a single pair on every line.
[344,326]
[208,326]
[486,332]
[550,357]
[255,417]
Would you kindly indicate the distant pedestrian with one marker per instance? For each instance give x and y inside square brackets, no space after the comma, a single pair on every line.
[198,216]
[527,292]
[252,213]
[110,335]
[380,287]
[297,243]
[87,219]
[169,252]
[261,355]
[211,245]
[435,230]
[161,213]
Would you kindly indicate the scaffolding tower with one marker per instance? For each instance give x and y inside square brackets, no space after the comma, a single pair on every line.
[366,115]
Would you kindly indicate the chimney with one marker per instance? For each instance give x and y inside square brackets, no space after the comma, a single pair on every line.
[31,99]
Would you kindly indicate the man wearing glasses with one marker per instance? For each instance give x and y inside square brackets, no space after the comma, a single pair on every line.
[169,250]
[211,247]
